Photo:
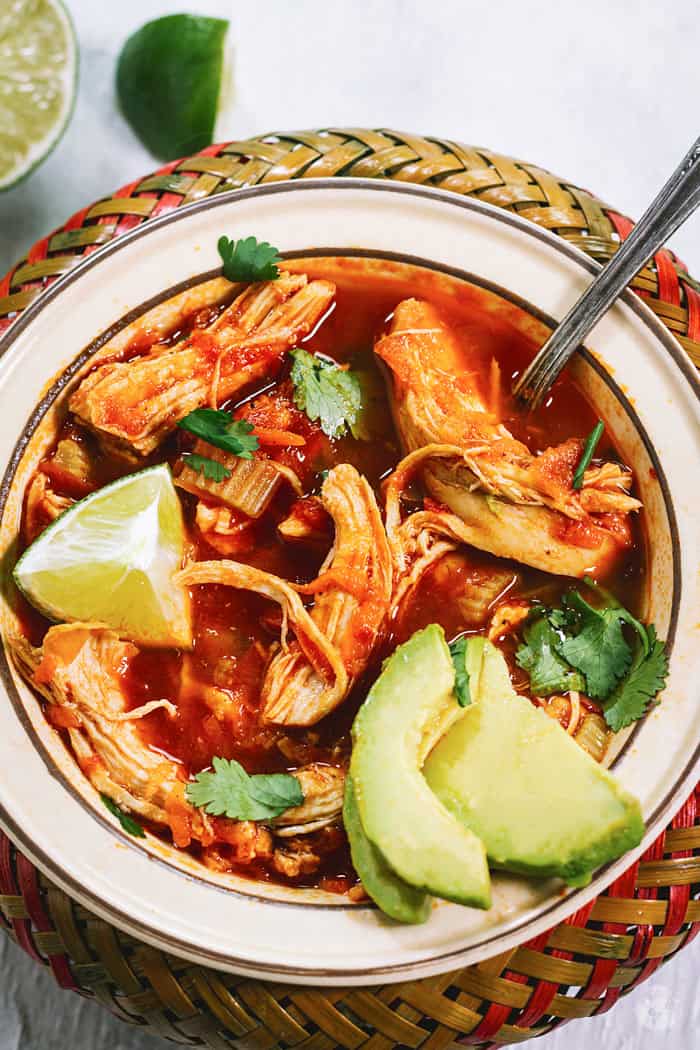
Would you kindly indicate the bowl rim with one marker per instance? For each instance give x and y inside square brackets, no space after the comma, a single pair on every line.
[674,797]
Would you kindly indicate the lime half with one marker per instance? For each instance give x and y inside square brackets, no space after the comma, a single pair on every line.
[111,557]
[169,82]
[38,73]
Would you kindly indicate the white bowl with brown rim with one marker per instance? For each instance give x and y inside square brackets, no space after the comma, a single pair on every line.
[640,383]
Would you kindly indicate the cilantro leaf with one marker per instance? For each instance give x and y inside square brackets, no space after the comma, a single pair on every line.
[584,648]
[219,429]
[229,791]
[599,649]
[647,677]
[211,468]
[249,259]
[130,826]
[587,454]
[326,392]
[458,652]
[539,656]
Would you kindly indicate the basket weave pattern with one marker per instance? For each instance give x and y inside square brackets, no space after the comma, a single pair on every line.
[577,969]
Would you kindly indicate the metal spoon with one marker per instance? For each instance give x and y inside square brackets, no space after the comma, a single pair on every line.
[670,208]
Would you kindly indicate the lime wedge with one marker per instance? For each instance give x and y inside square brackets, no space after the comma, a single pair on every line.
[111,557]
[38,73]
[169,82]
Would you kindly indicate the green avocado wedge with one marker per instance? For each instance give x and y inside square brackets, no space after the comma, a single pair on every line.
[395,897]
[540,804]
[412,704]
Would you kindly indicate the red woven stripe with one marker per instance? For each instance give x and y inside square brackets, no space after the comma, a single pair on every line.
[494,1018]
[5,283]
[34,903]
[167,202]
[669,290]
[541,999]
[601,975]
[77,220]
[693,304]
[128,190]
[38,251]
[604,969]
[679,896]
[622,224]
[168,168]
[21,927]
[611,997]
[644,934]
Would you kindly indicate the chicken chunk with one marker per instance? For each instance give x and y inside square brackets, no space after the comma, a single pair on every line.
[352,601]
[79,669]
[133,405]
[307,522]
[323,788]
[508,501]
[309,676]
[295,859]
[42,506]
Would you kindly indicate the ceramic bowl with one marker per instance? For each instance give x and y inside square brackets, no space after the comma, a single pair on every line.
[633,371]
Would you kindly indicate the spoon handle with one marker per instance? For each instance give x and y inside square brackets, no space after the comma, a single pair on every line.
[678,199]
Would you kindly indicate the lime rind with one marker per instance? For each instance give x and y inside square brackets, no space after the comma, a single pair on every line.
[111,558]
[27,159]
[170,82]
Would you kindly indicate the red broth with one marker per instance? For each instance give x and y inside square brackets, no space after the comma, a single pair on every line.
[216,687]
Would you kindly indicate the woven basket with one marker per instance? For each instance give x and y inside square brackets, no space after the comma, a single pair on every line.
[579,968]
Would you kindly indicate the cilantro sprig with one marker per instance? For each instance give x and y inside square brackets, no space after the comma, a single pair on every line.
[210,468]
[604,652]
[249,259]
[229,791]
[598,649]
[218,428]
[539,656]
[462,691]
[130,826]
[647,677]
[326,392]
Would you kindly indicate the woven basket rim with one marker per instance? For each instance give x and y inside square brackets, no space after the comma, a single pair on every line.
[579,968]
[660,334]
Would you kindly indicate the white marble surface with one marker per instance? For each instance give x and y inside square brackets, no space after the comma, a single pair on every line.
[602,92]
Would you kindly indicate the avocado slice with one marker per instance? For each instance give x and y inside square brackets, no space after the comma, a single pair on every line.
[394,896]
[513,776]
[410,706]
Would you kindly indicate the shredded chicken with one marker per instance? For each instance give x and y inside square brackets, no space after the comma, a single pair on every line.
[310,640]
[133,404]
[42,506]
[79,669]
[295,858]
[507,618]
[241,842]
[228,531]
[352,600]
[323,788]
[511,503]
[309,676]
[307,522]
